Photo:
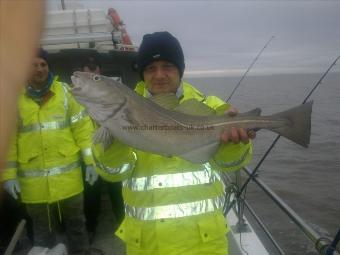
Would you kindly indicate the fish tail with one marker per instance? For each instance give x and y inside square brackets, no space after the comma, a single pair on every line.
[298,128]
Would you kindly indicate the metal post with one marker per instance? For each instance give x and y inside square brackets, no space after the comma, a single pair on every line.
[63,6]
[15,238]
[241,224]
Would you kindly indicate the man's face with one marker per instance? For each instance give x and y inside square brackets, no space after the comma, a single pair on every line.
[161,77]
[39,72]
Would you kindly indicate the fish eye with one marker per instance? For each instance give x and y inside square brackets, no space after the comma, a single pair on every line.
[96,78]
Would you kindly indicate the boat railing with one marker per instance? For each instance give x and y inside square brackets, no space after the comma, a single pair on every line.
[76,38]
[321,243]
[98,41]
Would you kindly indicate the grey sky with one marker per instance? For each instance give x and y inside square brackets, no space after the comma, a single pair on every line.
[223,37]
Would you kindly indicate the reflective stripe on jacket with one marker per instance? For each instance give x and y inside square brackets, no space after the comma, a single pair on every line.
[47,150]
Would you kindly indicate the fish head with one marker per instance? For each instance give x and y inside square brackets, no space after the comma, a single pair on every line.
[92,87]
[100,95]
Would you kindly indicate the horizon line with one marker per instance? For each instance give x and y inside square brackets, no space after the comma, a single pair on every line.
[255,72]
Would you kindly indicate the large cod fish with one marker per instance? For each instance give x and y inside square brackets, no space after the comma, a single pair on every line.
[143,124]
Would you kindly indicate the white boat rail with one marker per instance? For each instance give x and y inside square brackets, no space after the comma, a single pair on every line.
[99,41]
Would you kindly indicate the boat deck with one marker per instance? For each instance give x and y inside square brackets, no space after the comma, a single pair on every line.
[105,241]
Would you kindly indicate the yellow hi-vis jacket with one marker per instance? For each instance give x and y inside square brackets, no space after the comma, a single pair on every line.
[47,149]
[173,206]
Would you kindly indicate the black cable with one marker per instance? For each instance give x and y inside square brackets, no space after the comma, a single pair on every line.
[330,249]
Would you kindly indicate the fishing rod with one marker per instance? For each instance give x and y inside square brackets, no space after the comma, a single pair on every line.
[252,175]
[250,66]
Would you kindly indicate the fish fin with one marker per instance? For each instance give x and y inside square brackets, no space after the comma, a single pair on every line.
[168,101]
[254,112]
[298,128]
[104,136]
[195,107]
[201,154]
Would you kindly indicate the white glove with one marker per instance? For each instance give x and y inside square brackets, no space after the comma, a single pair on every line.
[59,249]
[91,175]
[38,250]
[12,187]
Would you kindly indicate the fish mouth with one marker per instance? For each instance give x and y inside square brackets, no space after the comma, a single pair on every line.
[76,81]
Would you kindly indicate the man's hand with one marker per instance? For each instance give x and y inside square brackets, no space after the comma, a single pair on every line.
[236,135]
[12,187]
[91,175]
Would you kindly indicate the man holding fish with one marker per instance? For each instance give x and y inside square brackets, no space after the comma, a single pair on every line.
[173,205]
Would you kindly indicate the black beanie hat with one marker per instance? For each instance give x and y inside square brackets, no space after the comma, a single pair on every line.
[160,46]
[41,53]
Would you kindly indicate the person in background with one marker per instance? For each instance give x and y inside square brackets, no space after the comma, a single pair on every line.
[92,194]
[173,206]
[91,65]
[43,170]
